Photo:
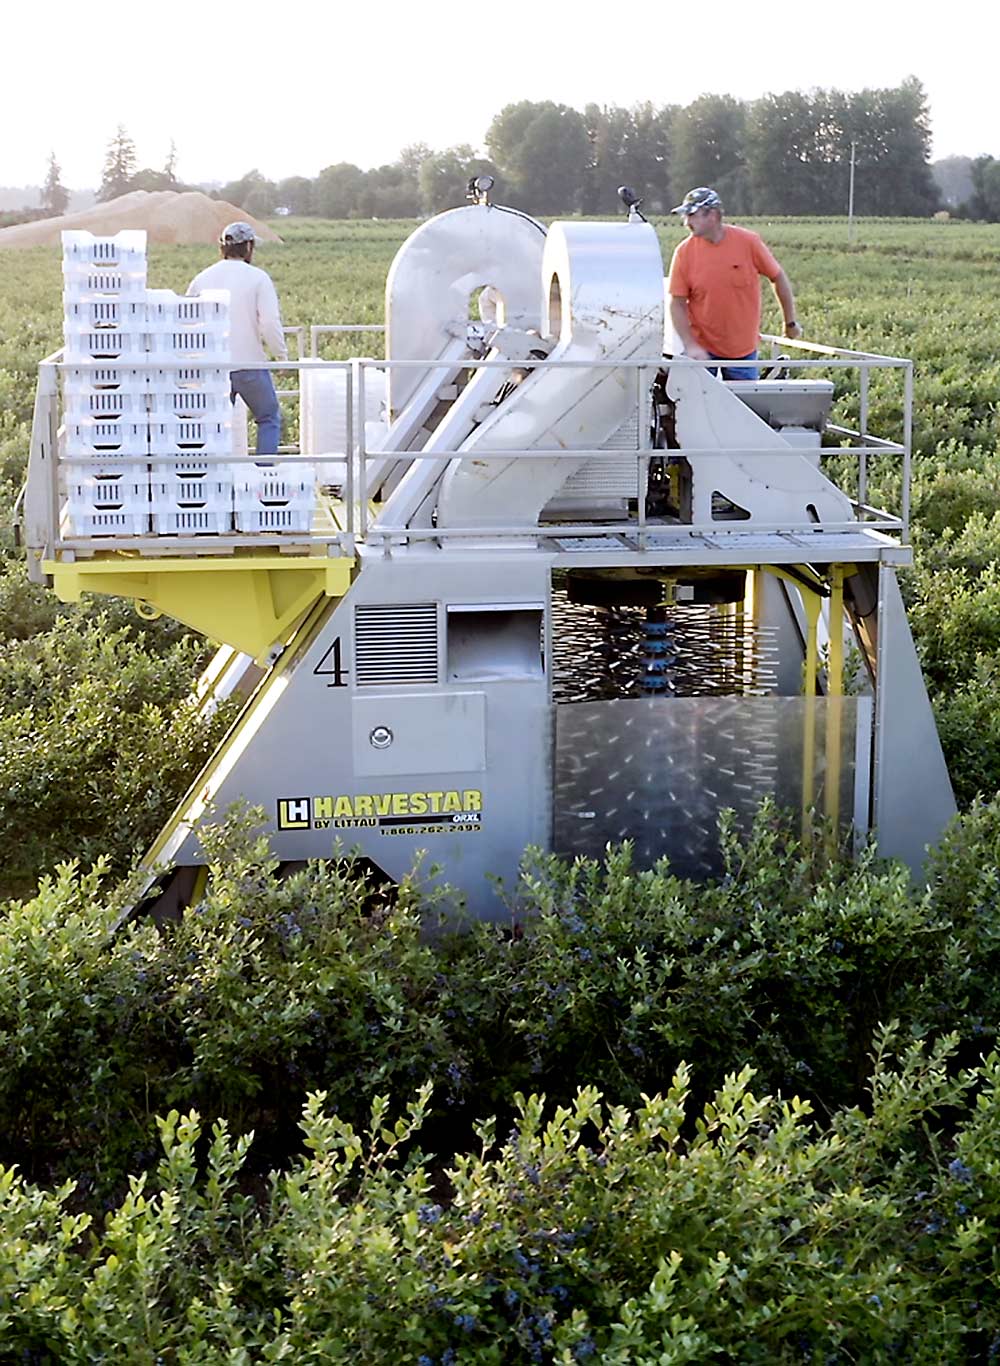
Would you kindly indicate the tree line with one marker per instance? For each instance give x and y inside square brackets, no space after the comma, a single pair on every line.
[782,154]
[794,153]
[121,174]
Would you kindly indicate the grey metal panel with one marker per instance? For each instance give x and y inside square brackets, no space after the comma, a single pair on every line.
[298,747]
[437,733]
[913,800]
[787,402]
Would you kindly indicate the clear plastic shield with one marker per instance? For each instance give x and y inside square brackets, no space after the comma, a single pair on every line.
[658,771]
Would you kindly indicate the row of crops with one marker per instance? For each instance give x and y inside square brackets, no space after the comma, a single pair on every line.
[769,1130]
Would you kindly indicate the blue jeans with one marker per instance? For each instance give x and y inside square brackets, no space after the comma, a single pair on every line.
[256,389]
[737,371]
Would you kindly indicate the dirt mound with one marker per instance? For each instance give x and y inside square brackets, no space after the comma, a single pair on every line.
[166,215]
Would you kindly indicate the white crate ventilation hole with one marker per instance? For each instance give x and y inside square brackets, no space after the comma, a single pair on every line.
[146,394]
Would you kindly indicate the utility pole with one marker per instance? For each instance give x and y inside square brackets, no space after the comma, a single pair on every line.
[850,200]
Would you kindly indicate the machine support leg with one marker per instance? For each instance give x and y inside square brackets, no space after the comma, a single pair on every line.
[834,692]
[811,603]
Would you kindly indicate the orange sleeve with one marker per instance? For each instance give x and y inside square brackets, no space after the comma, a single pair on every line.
[764,260]
[679,286]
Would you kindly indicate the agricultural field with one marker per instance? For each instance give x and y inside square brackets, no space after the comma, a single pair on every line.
[755,1121]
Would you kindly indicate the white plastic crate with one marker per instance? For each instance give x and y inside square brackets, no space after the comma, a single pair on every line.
[193,468]
[211,516]
[275,481]
[126,250]
[205,490]
[274,505]
[188,481]
[323,407]
[86,379]
[192,345]
[210,379]
[81,521]
[107,501]
[292,516]
[108,486]
[175,436]
[83,343]
[191,404]
[89,436]
[106,405]
[167,311]
[121,315]
[82,280]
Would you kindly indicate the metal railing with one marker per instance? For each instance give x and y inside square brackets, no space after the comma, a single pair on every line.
[863,444]
[866,363]
[40,501]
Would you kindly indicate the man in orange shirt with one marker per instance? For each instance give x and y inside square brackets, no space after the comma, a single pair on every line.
[714,288]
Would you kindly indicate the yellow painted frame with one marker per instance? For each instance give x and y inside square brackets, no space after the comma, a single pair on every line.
[249,602]
[813,588]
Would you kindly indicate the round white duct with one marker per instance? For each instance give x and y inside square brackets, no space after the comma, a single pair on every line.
[602,294]
[438,269]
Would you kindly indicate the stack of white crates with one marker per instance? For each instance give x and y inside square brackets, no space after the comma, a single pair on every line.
[146,393]
[146,390]
[190,413]
[104,296]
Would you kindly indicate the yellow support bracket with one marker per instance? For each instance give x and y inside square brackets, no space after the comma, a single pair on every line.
[196,801]
[250,603]
[813,589]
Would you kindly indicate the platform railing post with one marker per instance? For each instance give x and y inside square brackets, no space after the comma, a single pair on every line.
[350,454]
[834,701]
[863,426]
[362,447]
[907,446]
[642,462]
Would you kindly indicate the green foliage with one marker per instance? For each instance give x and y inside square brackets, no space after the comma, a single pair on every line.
[55,196]
[707,148]
[263,988]
[985,199]
[253,192]
[659,1233]
[693,1213]
[98,738]
[120,165]
[785,964]
[543,151]
[630,147]
[269,987]
[444,176]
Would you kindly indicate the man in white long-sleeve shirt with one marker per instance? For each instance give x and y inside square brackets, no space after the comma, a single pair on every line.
[254,322]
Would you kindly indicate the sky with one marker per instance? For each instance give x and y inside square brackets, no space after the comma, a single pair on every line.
[291,88]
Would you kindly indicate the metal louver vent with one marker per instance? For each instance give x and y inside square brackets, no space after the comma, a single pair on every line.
[395,643]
